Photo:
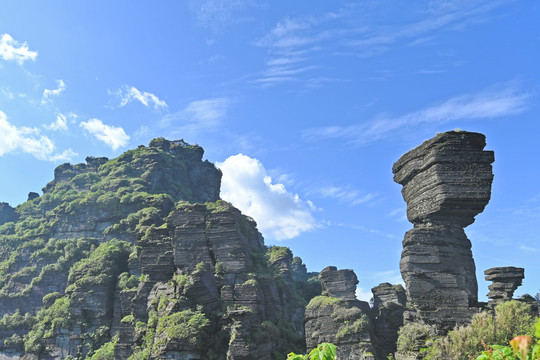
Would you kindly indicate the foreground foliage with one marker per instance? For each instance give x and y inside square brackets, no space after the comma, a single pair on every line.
[510,319]
[522,347]
[324,351]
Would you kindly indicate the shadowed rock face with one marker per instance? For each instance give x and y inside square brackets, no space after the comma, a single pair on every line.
[505,281]
[389,304]
[446,182]
[7,213]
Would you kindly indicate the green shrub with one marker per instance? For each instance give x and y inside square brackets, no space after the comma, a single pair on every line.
[412,336]
[511,318]
[106,351]
[189,326]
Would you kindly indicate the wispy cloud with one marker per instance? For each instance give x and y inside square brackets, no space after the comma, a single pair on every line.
[296,46]
[290,44]
[128,94]
[28,140]
[13,50]
[365,229]
[198,115]
[279,213]
[528,249]
[493,103]
[218,15]
[49,94]
[113,136]
[344,194]
[439,16]
[61,122]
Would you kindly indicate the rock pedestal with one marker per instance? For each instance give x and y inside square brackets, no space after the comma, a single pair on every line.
[446,182]
[505,281]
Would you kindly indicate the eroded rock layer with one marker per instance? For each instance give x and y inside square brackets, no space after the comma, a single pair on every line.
[338,317]
[505,280]
[137,256]
[446,182]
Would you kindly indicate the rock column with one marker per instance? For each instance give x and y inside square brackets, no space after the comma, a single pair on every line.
[446,183]
[505,281]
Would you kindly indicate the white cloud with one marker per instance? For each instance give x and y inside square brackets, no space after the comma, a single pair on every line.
[66,155]
[12,50]
[59,124]
[489,104]
[198,115]
[113,136]
[48,94]
[28,140]
[131,93]
[279,213]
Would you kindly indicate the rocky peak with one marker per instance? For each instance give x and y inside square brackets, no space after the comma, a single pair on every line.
[7,213]
[386,293]
[505,280]
[339,283]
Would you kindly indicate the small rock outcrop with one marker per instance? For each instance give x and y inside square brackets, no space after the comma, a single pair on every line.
[446,183]
[389,304]
[505,280]
[339,318]
[7,213]
[32,195]
[339,283]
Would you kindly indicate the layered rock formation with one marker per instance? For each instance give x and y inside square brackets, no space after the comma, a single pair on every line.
[389,304]
[446,182]
[505,280]
[339,318]
[142,248]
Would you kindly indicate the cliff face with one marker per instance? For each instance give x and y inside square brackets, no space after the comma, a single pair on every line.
[446,182]
[137,256]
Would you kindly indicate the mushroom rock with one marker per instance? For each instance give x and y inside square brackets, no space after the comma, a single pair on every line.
[446,183]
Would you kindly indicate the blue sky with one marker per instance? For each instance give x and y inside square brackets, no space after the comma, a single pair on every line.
[305,105]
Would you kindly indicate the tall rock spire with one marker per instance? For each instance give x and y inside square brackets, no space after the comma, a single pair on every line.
[446,183]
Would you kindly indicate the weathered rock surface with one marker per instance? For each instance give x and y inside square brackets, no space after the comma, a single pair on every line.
[142,247]
[446,182]
[505,281]
[339,318]
[389,304]
[339,283]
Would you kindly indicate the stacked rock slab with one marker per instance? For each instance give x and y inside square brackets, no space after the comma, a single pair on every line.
[446,183]
[389,304]
[505,281]
[338,317]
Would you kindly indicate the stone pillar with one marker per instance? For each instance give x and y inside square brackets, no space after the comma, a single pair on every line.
[446,183]
[505,281]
